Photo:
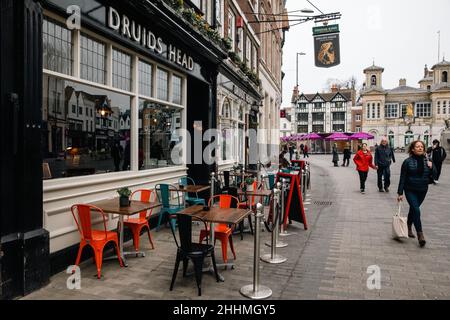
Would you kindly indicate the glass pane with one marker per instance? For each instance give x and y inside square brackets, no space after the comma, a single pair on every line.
[158,138]
[176,89]
[92,52]
[145,79]
[121,70]
[71,147]
[163,85]
[57,46]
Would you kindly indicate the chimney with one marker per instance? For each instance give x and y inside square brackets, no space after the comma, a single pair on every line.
[295,94]
[334,88]
[402,82]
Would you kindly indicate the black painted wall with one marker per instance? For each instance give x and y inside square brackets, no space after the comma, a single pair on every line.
[24,264]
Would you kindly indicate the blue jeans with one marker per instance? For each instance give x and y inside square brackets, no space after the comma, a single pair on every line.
[415,200]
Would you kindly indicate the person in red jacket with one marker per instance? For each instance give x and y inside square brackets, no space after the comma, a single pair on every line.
[364,160]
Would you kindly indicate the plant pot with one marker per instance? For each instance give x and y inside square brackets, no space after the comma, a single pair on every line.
[124,202]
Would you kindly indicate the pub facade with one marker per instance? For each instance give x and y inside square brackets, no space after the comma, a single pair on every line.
[96,96]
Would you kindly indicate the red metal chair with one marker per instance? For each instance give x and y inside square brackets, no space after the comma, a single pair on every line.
[96,239]
[249,203]
[137,224]
[222,231]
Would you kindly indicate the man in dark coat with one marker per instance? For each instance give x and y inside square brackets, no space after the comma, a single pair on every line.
[384,156]
[438,155]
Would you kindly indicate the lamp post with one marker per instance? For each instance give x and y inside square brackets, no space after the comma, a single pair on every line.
[299,54]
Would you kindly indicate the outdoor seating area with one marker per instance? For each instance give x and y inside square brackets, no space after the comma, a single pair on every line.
[198,219]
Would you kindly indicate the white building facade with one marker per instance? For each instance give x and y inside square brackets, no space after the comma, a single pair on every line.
[405,114]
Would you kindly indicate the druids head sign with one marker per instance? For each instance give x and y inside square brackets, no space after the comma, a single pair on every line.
[146,38]
[327,46]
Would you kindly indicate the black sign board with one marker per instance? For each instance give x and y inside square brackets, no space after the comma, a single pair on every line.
[327,50]
[294,208]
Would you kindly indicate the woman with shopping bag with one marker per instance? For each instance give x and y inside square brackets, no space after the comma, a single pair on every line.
[414,180]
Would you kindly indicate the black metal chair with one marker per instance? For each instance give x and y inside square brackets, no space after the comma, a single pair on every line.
[187,250]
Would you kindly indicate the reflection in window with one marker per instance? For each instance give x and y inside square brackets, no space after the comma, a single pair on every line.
[176,89]
[158,135]
[121,72]
[57,45]
[72,144]
[145,79]
[93,60]
[163,85]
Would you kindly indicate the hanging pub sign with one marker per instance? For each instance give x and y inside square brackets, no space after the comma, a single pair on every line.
[326,46]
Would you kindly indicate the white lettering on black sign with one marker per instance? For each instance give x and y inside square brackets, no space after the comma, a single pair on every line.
[147,39]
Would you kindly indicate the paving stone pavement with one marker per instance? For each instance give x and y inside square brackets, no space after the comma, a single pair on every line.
[328,261]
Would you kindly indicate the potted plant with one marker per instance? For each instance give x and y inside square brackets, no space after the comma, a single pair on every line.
[249,184]
[124,199]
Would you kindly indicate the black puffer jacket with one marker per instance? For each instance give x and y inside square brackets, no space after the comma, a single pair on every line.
[410,179]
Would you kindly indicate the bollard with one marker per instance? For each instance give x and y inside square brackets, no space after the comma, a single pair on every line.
[255,291]
[283,232]
[303,185]
[273,257]
[213,180]
[280,244]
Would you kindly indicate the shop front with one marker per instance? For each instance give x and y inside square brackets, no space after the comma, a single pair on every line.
[236,100]
[113,99]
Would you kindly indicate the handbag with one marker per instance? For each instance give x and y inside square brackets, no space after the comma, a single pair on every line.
[399,224]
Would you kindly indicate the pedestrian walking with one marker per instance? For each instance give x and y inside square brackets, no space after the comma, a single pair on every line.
[335,155]
[438,155]
[347,155]
[306,152]
[117,154]
[363,160]
[414,179]
[384,156]
[291,152]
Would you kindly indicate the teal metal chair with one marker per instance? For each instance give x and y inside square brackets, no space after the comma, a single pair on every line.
[163,192]
[192,201]
[271,180]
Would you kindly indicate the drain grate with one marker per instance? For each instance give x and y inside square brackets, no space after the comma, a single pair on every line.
[323,203]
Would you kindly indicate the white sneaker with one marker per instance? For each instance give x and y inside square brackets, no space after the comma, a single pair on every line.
[436,181]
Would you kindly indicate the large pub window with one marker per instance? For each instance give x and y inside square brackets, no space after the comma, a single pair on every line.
[73,146]
[159,136]
[87,120]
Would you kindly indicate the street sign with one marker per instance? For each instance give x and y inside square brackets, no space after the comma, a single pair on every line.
[326,29]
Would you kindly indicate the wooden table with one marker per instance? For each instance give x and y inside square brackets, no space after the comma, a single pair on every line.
[193,189]
[217,215]
[112,206]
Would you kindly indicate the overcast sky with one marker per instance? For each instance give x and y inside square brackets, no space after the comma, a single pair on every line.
[401,35]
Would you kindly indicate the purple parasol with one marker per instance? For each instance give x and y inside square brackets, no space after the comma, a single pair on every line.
[362,136]
[338,136]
